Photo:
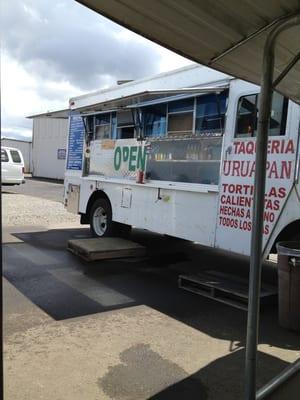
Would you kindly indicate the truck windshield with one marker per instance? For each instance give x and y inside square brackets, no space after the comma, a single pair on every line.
[247,115]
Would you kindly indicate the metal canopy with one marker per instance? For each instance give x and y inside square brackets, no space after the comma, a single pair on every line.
[227,35]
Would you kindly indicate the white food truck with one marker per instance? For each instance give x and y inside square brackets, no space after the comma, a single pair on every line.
[181,161]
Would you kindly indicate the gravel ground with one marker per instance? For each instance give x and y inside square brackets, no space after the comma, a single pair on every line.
[18,209]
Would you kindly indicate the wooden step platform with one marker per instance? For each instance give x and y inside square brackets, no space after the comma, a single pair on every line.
[226,288]
[106,248]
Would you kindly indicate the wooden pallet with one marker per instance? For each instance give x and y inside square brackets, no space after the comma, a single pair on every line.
[225,288]
[107,248]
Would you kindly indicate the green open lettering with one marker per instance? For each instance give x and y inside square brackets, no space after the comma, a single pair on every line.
[125,153]
[132,158]
[117,158]
[141,158]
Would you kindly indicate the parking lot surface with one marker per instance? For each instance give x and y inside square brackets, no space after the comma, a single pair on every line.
[41,188]
[123,329]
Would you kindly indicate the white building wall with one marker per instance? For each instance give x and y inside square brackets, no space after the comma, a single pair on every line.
[49,135]
[24,147]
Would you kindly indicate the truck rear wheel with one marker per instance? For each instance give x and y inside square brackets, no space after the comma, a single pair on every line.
[101,219]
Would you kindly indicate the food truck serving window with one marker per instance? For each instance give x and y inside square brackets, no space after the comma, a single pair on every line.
[247,115]
[125,124]
[190,160]
[180,117]
[154,120]
[195,115]
[89,127]
[190,152]
[102,126]
[210,113]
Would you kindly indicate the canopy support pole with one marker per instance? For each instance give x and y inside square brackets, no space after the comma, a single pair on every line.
[286,70]
[258,205]
[274,383]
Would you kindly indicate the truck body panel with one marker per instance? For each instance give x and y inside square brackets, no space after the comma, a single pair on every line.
[198,183]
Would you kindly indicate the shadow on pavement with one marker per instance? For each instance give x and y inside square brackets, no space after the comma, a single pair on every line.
[66,287]
[224,379]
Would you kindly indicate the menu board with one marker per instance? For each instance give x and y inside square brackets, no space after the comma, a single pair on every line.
[76,140]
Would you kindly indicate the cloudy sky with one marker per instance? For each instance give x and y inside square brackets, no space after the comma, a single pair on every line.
[53,50]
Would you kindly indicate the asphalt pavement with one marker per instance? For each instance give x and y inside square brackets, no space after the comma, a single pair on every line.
[122,329]
[41,188]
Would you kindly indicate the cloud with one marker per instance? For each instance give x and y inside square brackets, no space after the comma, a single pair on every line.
[17,133]
[54,50]
[64,40]
[23,94]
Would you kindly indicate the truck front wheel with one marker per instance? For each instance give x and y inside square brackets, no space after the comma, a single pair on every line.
[101,219]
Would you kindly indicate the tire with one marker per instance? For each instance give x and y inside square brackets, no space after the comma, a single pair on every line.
[101,224]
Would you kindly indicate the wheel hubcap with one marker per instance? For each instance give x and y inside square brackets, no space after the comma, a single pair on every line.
[100,221]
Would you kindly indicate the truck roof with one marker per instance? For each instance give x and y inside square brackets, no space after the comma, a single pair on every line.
[186,77]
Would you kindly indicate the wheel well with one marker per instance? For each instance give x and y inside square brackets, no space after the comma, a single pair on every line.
[98,194]
[288,233]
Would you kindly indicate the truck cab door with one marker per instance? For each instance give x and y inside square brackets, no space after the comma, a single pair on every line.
[234,219]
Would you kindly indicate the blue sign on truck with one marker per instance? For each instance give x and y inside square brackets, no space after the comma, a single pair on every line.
[76,139]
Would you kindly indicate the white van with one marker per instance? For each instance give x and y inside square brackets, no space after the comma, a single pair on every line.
[12,166]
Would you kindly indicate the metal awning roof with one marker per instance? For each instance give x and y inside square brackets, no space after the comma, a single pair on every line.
[86,114]
[114,104]
[186,95]
[227,35]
